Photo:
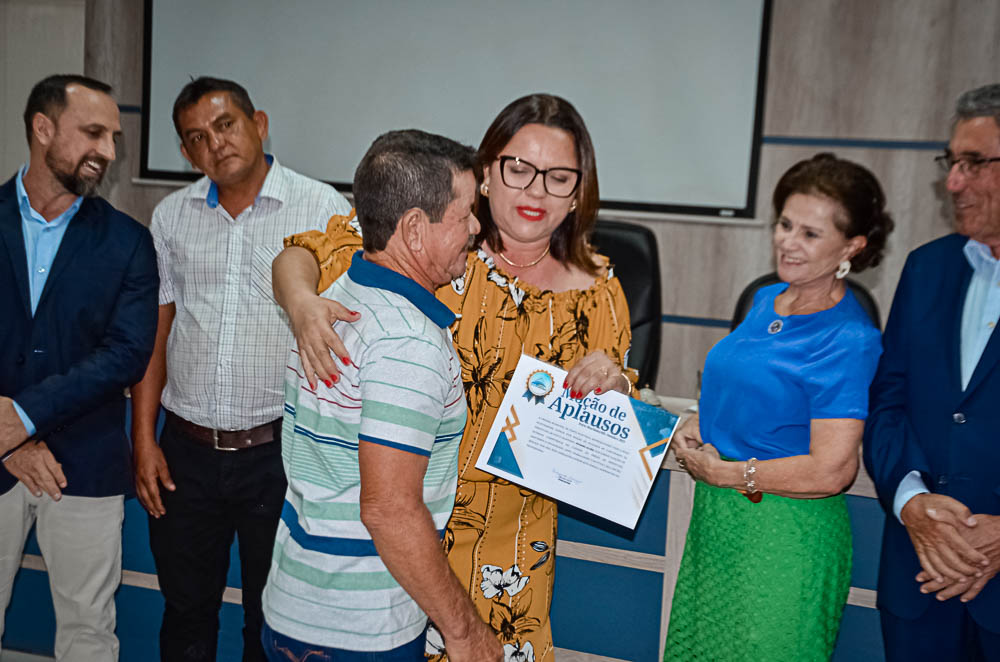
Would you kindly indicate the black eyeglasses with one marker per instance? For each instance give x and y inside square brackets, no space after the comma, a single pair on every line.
[518,173]
[967,165]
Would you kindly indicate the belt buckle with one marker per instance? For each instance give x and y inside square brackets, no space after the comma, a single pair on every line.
[215,443]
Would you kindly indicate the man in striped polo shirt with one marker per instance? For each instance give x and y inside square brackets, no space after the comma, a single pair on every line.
[372,460]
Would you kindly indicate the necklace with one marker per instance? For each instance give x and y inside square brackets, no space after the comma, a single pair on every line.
[525,266]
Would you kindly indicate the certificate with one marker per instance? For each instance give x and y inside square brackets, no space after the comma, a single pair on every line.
[600,453]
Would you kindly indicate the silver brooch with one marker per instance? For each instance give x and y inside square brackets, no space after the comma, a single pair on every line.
[774,327]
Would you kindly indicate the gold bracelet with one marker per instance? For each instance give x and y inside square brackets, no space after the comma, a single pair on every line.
[627,381]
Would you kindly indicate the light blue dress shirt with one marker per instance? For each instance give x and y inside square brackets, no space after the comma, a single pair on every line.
[41,243]
[980,314]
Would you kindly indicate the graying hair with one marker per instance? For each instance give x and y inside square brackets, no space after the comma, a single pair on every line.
[981,102]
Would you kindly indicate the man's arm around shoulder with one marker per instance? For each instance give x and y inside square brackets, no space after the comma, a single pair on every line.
[393,511]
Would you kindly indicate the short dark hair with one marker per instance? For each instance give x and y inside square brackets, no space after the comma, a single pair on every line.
[855,189]
[981,102]
[48,97]
[405,170]
[198,87]
[570,241]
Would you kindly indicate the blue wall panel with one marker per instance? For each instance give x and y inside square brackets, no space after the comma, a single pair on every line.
[867,520]
[139,613]
[607,610]
[135,539]
[31,623]
[860,636]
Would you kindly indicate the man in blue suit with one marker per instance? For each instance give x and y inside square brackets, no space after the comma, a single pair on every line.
[78,310]
[932,439]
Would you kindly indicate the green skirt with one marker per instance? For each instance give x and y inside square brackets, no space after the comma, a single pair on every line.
[760,581]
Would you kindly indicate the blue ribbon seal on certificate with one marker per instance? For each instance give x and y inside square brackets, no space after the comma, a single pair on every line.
[539,385]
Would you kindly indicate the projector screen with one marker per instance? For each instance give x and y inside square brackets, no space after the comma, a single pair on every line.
[671,90]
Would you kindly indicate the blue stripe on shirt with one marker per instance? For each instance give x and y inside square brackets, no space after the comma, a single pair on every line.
[394,444]
[325,439]
[325,544]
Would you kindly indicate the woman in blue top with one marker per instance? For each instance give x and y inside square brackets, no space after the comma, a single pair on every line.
[767,561]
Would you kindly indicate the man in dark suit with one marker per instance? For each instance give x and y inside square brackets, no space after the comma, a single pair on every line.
[932,439]
[78,305]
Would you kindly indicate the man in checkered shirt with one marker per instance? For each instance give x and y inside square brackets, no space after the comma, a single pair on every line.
[218,366]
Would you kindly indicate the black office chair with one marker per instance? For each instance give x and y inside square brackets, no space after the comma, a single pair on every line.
[745,301]
[636,262]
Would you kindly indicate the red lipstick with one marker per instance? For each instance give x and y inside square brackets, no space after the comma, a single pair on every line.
[531,213]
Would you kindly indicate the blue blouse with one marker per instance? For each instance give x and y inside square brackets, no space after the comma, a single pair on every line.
[763,383]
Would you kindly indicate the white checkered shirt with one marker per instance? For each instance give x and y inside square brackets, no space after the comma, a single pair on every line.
[229,342]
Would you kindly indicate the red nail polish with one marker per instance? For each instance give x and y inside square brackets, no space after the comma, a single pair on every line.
[597,391]
[328,383]
[565,383]
[346,360]
[334,378]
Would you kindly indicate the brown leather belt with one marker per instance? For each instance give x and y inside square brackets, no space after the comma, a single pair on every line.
[227,440]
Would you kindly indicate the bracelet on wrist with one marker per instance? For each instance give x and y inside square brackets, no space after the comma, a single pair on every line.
[628,382]
[750,480]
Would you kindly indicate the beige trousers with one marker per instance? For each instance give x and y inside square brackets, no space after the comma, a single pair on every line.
[81,542]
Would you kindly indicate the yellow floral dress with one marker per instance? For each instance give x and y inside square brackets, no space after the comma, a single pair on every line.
[501,538]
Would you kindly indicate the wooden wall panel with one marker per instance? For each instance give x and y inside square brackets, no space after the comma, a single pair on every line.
[120,187]
[113,54]
[37,38]
[888,69]
[682,357]
[114,47]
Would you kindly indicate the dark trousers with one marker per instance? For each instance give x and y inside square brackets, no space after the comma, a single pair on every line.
[219,495]
[282,648]
[945,631]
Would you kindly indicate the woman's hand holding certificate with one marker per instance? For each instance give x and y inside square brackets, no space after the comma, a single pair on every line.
[600,453]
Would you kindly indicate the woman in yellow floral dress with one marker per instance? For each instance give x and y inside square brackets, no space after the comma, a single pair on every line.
[533,286]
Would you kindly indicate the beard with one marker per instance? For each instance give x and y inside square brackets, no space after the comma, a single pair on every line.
[73,179]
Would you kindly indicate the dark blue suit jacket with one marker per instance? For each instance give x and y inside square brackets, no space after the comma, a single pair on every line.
[921,419]
[91,336]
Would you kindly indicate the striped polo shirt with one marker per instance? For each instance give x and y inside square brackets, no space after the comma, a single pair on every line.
[327,584]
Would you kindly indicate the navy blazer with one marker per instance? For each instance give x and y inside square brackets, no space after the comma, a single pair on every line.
[91,336]
[921,419]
